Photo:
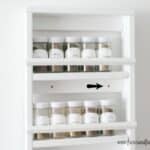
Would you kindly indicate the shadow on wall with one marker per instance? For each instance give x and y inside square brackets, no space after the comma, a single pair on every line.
[142,49]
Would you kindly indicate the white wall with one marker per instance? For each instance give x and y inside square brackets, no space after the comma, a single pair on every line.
[13,61]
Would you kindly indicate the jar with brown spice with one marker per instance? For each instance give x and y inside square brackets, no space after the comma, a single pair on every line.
[104,51]
[88,52]
[73,51]
[108,115]
[91,116]
[56,52]
[75,111]
[58,116]
[40,51]
[41,118]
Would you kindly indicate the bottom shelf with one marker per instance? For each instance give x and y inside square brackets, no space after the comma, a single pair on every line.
[78,141]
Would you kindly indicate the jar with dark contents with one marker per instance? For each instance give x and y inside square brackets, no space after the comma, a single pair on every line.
[75,111]
[104,51]
[58,116]
[91,116]
[40,51]
[56,52]
[108,115]
[41,111]
[73,51]
[88,52]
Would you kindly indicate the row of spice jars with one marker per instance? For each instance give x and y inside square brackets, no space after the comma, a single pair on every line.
[72,48]
[74,112]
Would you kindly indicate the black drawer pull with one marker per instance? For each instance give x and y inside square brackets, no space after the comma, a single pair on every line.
[97,86]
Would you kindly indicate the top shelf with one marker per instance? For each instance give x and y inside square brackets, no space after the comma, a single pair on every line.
[106,61]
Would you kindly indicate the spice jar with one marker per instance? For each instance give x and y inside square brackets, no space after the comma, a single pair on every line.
[104,51]
[73,52]
[41,118]
[56,52]
[75,110]
[107,115]
[40,51]
[91,116]
[58,116]
[88,52]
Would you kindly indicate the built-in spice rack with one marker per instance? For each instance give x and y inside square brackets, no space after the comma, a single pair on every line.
[80,59]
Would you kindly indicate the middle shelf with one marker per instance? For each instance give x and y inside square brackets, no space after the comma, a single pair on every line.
[79,76]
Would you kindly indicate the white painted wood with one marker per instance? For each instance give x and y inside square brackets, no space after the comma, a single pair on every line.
[129,85]
[72,86]
[84,127]
[110,61]
[42,9]
[79,141]
[80,76]
[75,22]
[28,106]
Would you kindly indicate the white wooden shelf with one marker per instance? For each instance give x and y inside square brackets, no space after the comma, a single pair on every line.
[107,61]
[79,76]
[83,127]
[78,141]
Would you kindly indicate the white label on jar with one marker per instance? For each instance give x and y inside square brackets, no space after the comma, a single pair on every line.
[56,53]
[40,53]
[58,119]
[73,53]
[107,117]
[42,120]
[91,118]
[104,52]
[88,53]
[74,118]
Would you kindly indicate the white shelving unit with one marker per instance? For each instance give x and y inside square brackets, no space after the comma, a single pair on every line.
[120,27]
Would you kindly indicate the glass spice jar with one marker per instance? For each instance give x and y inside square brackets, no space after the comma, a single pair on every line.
[56,52]
[91,116]
[108,115]
[73,52]
[104,51]
[40,51]
[75,111]
[58,116]
[41,118]
[88,52]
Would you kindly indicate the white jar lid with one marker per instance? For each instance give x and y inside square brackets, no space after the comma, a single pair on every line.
[91,103]
[56,39]
[40,39]
[72,39]
[41,105]
[103,39]
[58,104]
[106,102]
[74,103]
[40,53]
[87,39]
